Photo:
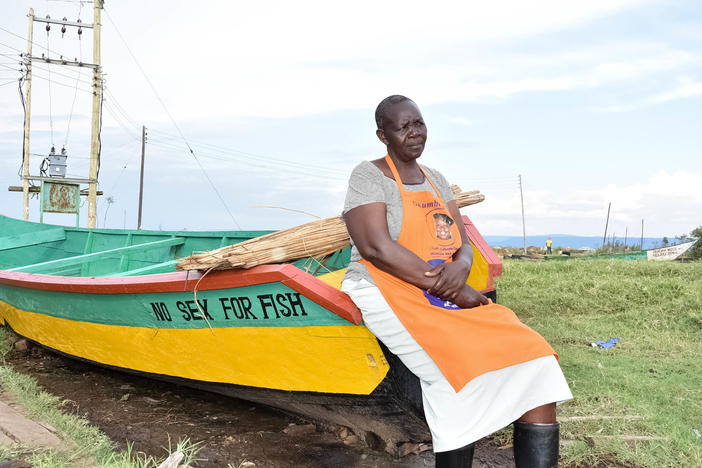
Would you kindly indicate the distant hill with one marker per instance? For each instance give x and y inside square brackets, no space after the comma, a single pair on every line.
[565,240]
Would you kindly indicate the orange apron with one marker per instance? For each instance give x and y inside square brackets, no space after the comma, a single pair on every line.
[464,343]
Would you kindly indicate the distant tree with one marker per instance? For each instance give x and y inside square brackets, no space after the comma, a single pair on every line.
[665,241]
[696,250]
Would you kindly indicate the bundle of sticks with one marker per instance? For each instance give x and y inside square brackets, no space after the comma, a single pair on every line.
[315,239]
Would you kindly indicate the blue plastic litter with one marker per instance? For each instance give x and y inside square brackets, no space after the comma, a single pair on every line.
[607,344]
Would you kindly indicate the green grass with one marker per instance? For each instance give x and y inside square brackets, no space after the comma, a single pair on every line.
[650,384]
[86,445]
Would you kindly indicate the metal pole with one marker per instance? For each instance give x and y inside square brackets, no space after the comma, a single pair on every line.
[521,195]
[141,176]
[642,234]
[626,234]
[95,128]
[28,110]
[606,225]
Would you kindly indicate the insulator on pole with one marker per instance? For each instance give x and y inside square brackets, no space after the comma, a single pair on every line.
[63,27]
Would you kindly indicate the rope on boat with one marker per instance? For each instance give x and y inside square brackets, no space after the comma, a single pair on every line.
[197,304]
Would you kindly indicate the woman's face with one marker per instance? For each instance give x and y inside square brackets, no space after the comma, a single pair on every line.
[443,229]
[404,132]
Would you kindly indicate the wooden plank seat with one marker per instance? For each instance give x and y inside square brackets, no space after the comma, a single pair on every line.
[94,256]
[32,238]
[163,267]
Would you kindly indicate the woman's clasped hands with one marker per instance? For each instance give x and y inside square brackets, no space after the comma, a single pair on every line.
[451,285]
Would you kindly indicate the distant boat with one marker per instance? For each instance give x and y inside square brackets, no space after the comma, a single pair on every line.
[283,335]
[663,253]
[669,253]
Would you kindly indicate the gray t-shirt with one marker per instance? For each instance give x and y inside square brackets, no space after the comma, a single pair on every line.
[368,184]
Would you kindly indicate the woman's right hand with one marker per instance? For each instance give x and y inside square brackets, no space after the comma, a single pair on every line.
[469,298]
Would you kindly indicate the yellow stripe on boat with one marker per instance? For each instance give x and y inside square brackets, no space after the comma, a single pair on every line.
[329,359]
[479,273]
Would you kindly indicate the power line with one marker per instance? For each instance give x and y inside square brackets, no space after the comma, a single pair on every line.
[175,124]
[10,68]
[259,157]
[34,75]
[13,57]
[113,100]
[126,163]
[11,47]
[51,117]
[35,43]
[75,92]
[291,170]
[70,77]
[119,121]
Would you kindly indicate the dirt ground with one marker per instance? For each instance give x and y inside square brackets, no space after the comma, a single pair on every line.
[147,412]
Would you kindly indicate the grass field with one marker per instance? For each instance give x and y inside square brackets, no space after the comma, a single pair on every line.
[637,403]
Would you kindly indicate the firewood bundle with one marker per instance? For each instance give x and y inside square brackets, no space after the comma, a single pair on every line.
[315,239]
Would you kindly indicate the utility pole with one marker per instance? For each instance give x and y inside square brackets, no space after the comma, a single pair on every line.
[521,195]
[95,127]
[141,176]
[642,234]
[606,225]
[97,97]
[626,234]
[27,112]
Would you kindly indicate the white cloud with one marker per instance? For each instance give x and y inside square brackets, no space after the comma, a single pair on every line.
[687,89]
[461,121]
[283,59]
[671,201]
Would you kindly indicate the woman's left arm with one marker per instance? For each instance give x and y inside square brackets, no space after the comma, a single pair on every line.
[452,276]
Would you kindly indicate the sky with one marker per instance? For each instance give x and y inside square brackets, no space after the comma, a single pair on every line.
[589,102]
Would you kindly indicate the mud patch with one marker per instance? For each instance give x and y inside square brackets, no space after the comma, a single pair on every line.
[149,413]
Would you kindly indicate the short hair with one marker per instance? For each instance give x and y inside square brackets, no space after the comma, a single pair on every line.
[381,110]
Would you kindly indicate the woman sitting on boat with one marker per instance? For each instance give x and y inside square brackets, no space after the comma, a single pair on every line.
[480,368]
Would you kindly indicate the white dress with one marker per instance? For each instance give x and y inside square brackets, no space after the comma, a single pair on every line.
[487,403]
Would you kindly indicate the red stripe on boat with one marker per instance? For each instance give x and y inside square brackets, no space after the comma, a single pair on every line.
[181,281]
[494,262]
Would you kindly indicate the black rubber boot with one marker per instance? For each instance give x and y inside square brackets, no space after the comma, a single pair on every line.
[535,445]
[459,458]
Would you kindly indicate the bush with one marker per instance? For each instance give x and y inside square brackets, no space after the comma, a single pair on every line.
[696,250]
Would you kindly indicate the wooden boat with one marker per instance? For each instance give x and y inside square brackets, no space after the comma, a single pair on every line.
[283,335]
[660,254]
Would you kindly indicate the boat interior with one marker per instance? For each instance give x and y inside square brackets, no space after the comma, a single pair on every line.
[71,251]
